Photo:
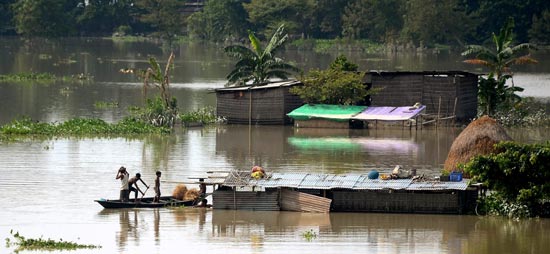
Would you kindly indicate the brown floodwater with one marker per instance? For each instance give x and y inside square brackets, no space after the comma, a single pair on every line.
[48,185]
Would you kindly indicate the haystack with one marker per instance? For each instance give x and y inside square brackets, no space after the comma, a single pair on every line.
[180,191]
[478,138]
[192,194]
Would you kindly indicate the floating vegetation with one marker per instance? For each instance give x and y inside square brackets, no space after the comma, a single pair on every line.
[31,76]
[206,115]
[44,56]
[309,235]
[105,104]
[530,112]
[44,77]
[80,126]
[32,244]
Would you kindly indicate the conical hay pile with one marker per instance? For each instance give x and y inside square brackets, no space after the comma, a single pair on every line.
[179,191]
[478,138]
[192,194]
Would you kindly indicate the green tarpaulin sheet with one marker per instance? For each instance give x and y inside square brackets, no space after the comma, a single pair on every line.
[325,111]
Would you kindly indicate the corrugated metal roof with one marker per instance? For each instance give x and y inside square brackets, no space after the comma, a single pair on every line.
[379,184]
[332,181]
[266,86]
[435,185]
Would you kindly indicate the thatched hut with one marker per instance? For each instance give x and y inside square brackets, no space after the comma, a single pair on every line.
[478,138]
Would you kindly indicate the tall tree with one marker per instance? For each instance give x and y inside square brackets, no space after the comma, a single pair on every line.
[435,21]
[259,64]
[267,15]
[373,19]
[540,29]
[219,20]
[493,13]
[47,18]
[163,16]
[102,17]
[6,17]
[327,18]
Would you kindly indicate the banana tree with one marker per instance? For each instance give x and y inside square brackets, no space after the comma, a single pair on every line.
[504,55]
[258,64]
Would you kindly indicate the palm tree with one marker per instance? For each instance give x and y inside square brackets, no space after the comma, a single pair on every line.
[504,56]
[258,64]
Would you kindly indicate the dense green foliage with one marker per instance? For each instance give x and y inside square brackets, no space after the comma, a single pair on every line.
[339,84]
[493,94]
[410,23]
[258,63]
[219,20]
[163,16]
[518,173]
[24,243]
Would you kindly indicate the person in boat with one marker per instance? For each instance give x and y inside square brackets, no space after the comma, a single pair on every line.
[202,187]
[202,193]
[157,187]
[134,187]
[123,175]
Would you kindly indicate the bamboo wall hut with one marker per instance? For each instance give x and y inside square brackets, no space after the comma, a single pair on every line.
[262,104]
[445,93]
[478,138]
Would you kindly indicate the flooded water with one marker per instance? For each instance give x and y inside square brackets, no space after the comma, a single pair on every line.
[48,186]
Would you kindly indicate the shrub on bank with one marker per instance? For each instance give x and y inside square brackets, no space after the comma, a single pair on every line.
[518,175]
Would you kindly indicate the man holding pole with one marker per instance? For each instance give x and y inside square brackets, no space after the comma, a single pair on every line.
[133,185]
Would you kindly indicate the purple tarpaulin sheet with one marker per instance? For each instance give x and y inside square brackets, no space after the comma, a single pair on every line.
[389,113]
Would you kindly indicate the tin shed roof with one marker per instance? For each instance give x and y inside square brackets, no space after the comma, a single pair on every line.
[333,181]
[262,86]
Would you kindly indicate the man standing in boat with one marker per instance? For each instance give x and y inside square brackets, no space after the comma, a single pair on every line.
[123,175]
[133,185]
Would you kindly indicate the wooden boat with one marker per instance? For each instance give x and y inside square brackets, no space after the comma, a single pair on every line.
[165,201]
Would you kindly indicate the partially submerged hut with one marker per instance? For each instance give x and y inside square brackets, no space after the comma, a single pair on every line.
[323,193]
[261,104]
[478,138]
[444,93]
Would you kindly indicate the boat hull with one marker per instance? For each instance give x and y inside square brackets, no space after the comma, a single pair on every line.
[166,201]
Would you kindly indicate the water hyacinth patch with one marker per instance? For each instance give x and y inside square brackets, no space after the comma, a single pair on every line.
[24,243]
[80,126]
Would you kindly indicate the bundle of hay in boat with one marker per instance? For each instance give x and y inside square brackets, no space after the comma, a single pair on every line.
[180,191]
[192,194]
[478,138]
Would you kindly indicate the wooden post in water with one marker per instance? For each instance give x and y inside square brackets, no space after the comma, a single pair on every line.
[454,110]
[438,112]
